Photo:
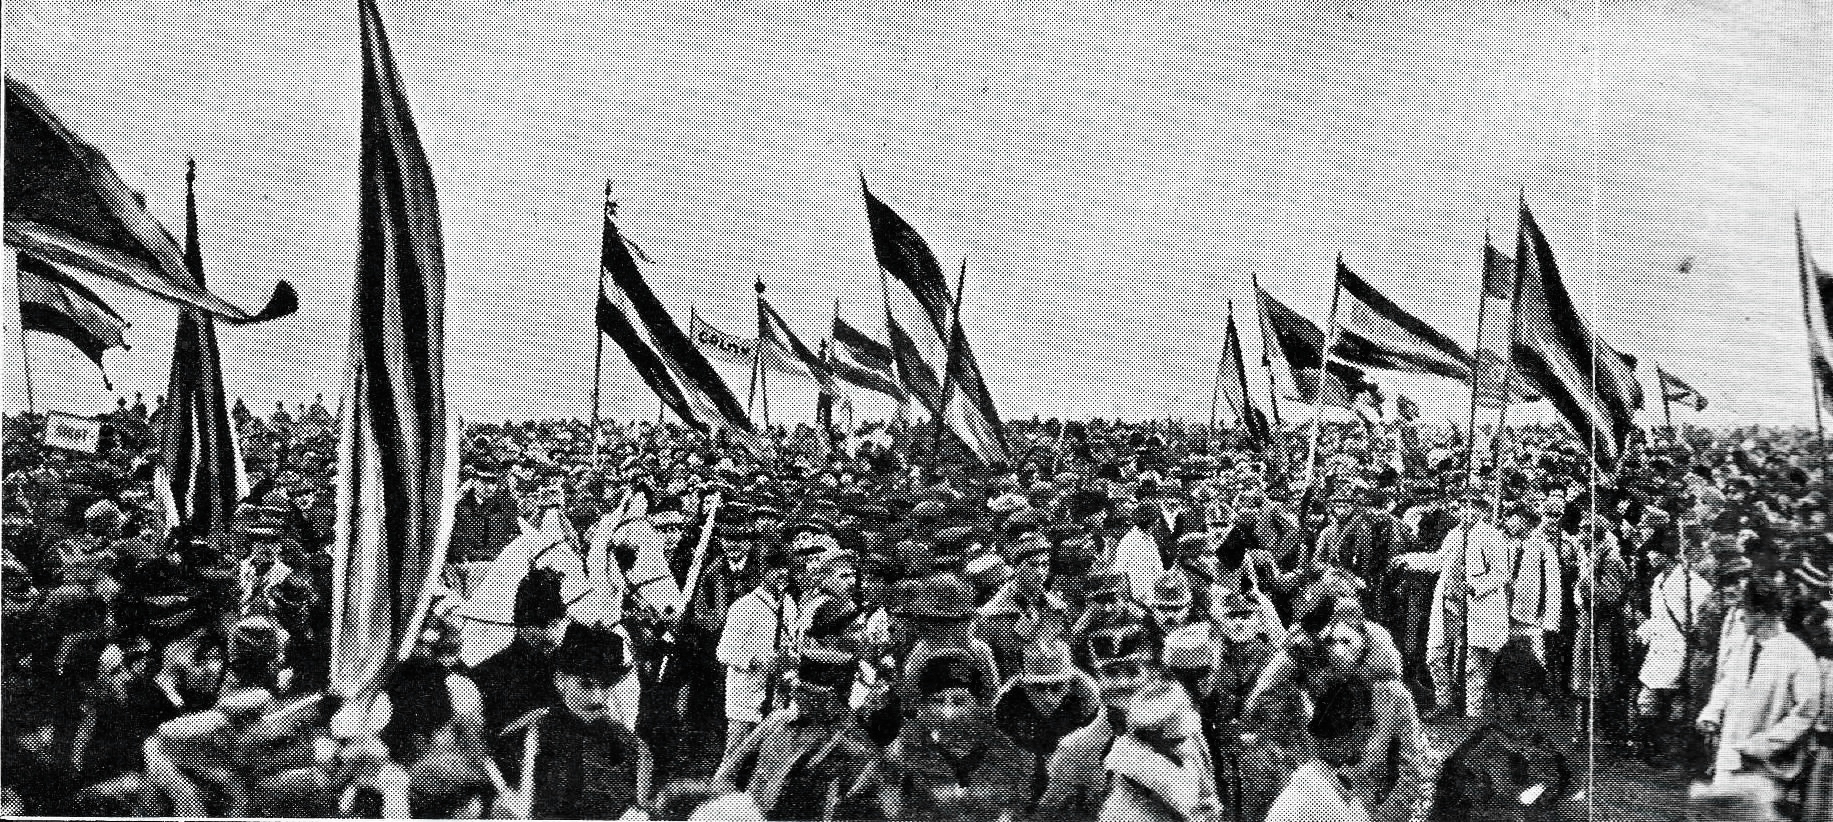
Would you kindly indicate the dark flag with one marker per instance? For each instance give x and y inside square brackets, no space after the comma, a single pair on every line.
[1817,311]
[857,358]
[786,350]
[397,455]
[923,310]
[1234,386]
[66,205]
[1591,385]
[1373,332]
[1492,367]
[649,366]
[53,301]
[699,385]
[200,479]
[1673,389]
[1299,343]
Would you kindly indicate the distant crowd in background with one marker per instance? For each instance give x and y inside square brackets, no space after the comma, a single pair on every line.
[1133,621]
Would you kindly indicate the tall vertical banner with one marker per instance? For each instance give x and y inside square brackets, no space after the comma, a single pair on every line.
[397,456]
[1817,312]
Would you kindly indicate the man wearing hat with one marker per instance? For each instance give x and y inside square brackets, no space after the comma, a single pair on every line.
[938,613]
[485,517]
[949,762]
[812,761]
[1043,703]
[1677,601]
[578,759]
[519,678]
[1153,778]
[1139,555]
[1368,762]
[757,643]
[1024,610]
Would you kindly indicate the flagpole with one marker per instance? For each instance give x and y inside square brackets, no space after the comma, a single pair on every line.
[763,377]
[1266,362]
[1323,384]
[1476,364]
[948,367]
[1661,384]
[598,334]
[1508,372]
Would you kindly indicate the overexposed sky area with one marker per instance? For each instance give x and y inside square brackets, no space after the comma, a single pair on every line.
[1112,173]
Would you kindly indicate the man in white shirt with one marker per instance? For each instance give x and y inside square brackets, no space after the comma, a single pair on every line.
[1767,696]
[1470,606]
[757,644]
[1677,601]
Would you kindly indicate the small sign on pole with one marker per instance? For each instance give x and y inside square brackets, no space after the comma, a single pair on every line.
[71,432]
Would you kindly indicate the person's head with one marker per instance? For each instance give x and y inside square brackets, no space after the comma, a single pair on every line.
[1122,658]
[830,569]
[737,544]
[1342,722]
[195,667]
[104,519]
[540,613]
[1239,619]
[1047,676]
[1472,508]
[1189,656]
[666,517]
[949,690]
[1519,520]
[1161,716]
[1029,557]
[1171,600]
[588,665]
[1344,642]
[1765,605]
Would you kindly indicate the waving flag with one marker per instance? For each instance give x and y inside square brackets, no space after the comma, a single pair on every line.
[920,323]
[1591,385]
[1673,389]
[200,478]
[1492,367]
[52,301]
[615,322]
[858,359]
[1373,332]
[1817,311]
[787,353]
[1299,344]
[398,454]
[1234,386]
[730,349]
[66,205]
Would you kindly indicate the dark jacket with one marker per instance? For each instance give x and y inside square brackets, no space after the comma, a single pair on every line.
[994,777]
[514,681]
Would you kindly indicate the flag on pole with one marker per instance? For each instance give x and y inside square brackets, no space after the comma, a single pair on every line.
[921,311]
[1817,311]
[857,358]
[1591,385]
[53,301]
[1373,332]
[65,204]
[200,477]
[1674,389]
[615,322]
[398,454]
[785,350]
[699,386]
[718,345]
[1299,344]
[1234,386]
[1492,367]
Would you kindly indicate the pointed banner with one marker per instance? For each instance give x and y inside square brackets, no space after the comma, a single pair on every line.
[200,476]
[787,351]
[1373,332]
[858,359]
[1591,385]
[1817,311]
[1674,389]
[922,309]
[53,301]
[65,204]
[1492,367]
[1234,386]
[397,454]
[718,345]
[1300,345]
[913,372]
[699,385]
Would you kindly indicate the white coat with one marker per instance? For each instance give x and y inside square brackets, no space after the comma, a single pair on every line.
[1766,712]
[1485,563]
[1676,603]
[1137,557]
[759,624]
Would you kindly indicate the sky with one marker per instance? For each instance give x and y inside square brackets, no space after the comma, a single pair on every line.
[1113,174]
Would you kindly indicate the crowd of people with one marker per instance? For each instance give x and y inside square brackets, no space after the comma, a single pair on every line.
[1133,621]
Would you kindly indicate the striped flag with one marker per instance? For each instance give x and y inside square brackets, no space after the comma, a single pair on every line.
[614,321]
[855,357]
[786,351]
[53,301]
[921,320]
[1492,367]
[1234,389]
[66,205]
[200,478]
[1674,389]
[1373,332]
[398,451]
[1591,385]
[1291,339]
[1817,311]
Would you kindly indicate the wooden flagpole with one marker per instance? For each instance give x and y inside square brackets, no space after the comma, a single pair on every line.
[948,371]
[598,334]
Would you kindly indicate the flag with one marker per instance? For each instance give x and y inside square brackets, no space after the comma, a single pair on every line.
[72,433]
[1297,342]
[923,310]
[53,301]
[1373,332]
[1234,386]
[615,321]
[398,452]
[65,204]
[1591,385]
[1817,311]
[857,358]
[1492,366]
[719,345]
[1674,389]
[786,351]
[200,476]
[700,387]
